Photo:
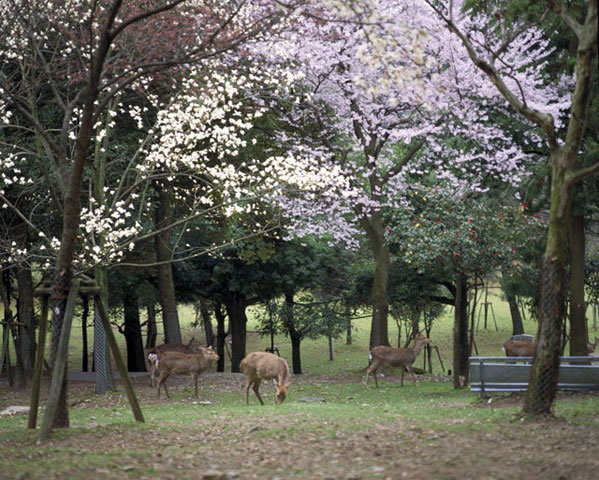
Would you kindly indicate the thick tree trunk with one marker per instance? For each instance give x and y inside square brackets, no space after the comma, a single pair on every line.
[26,317]
[133,338]
[236,306]
[221,335]
[578,321]
[544,373]
[460,331]
[379,331]
[166,283]
[566,171]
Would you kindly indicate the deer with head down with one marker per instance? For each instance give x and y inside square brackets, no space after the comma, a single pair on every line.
[395,357]
[258,366]
[155,352]
[183,364]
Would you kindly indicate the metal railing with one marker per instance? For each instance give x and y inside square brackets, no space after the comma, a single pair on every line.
[511,374]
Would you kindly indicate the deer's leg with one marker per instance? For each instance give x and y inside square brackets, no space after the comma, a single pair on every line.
[402,371]
[164,385]
[195,380]
[152,374]
[162,382]
[256,388]
[411,370]
[248,384]
[372,368]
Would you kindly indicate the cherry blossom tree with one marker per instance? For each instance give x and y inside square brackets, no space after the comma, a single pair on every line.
[387,92]
[492,46]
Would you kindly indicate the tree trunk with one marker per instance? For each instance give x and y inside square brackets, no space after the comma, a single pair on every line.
[578,321]
[544,373]
[379,331]
[330,338]
[166,283]
[517,325]
[26,317]
[84,346]
[221,334]
[294,334]
[238,321]
[133,338]
[296,357]
[102,366]
[152,331]
[207,322]
[348,339]
[460,331]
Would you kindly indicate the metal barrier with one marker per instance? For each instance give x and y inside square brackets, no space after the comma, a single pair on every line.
[511,374]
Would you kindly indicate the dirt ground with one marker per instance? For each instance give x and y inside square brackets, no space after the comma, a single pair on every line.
[261,447]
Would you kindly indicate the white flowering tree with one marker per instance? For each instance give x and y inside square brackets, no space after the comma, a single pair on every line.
[80,57]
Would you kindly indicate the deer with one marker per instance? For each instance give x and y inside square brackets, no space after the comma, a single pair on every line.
[591,347]
[155,352]
[519,348]
[258,366]
[395,357]
[183,364]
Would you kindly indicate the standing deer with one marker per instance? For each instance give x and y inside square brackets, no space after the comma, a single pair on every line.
[258,366]
[519,348]
[183,364]
[155,352]
[395,357]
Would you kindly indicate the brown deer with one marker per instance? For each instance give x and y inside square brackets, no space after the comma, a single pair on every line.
[395,357]
[519,348]
[258,366]
[184,364]
[591,347]
[155,352]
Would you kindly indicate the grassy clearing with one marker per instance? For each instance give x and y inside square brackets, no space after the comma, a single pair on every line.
[355,430]
[427,432]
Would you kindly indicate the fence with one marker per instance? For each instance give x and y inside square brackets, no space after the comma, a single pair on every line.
[511,374]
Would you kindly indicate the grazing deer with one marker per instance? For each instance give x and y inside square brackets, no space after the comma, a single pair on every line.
[183,364]
[395,357]
[519,348]
[155,352]
[258,366]
[592,346]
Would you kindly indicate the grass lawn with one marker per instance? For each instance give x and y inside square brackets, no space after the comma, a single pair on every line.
[330,427]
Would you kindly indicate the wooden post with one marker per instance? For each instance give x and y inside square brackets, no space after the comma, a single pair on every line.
[39,365]
[118,359]
[60,366]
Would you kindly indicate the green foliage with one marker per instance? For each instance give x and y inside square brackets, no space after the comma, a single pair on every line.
[444,233]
